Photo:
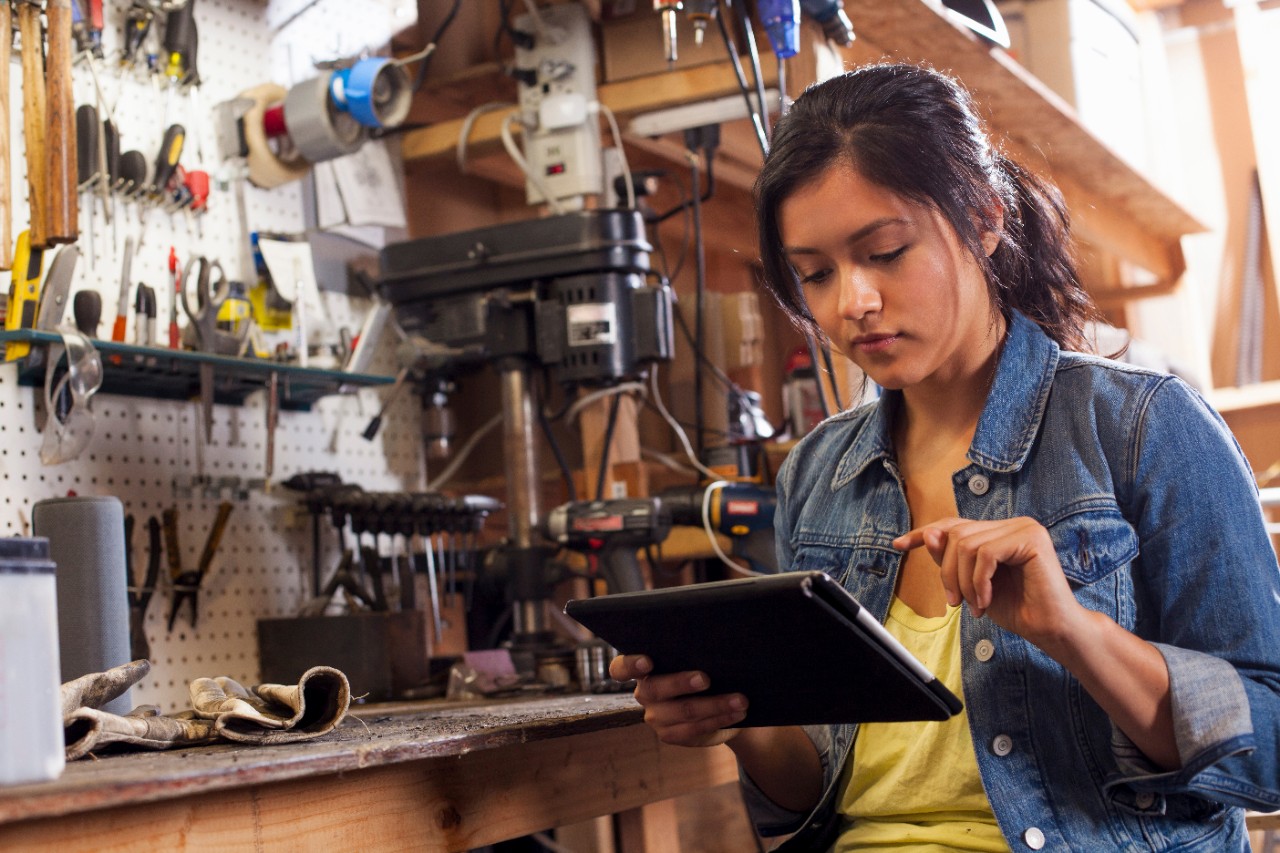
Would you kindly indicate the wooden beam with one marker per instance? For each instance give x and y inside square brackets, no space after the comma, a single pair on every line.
[1261,74]
[626,98]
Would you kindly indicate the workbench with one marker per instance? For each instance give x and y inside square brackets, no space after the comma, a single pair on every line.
[431,777]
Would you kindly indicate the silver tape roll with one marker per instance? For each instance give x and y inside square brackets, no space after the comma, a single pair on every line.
[318,129]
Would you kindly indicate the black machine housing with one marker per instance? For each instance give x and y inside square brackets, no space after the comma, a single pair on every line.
[569,292]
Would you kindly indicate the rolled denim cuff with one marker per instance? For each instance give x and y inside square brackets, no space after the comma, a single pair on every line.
[1211,718]
[770,818]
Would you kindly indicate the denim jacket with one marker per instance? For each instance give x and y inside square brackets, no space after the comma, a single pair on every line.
[1155,518]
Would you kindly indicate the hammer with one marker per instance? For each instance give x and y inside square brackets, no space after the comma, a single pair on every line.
[48,122]
[6,197]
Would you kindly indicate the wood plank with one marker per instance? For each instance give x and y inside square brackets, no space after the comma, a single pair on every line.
[450,803]
[399,734]
[1261,70]
[625,97]
[1022,108]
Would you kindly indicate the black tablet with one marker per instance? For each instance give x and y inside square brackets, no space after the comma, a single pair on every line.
[797,644]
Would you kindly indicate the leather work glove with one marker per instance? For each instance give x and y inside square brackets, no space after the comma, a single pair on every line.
[87,729]
[274,713]
[90,730]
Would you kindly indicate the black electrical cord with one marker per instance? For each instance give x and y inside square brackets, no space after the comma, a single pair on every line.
[756,121]
[421,76]
[608,441]
[700,291]
[519,38]
[570,490]
[701,356]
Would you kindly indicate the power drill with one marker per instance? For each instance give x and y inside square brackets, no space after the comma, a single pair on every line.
[741,511]
[609,532]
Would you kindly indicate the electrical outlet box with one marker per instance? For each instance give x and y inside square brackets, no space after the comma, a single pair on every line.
[559,108]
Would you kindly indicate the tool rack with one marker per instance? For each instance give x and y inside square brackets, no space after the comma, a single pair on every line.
[167,374]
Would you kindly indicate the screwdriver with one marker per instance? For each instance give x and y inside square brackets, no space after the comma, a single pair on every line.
[86,307]
[167,159]
[175,279]
[122,311]
[88,169]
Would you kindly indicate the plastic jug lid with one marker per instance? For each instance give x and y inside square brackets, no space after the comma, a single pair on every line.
[25,554]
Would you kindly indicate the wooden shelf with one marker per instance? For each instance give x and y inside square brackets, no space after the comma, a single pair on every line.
[1115,208]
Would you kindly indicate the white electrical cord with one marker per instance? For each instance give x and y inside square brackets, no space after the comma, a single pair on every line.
[667,461]
[675,426]
[509,142]
[622,153]
[711,489]
[463,453]
[470,122]
[587,399]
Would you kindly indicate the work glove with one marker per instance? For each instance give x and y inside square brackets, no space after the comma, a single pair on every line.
[90,730]
[274,713]
[87,729]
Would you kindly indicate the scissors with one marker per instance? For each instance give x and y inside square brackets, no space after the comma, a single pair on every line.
[212,293]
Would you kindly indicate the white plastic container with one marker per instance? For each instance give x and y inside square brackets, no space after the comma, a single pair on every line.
[31,741]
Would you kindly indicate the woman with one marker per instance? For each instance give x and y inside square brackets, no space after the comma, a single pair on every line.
[1075,546]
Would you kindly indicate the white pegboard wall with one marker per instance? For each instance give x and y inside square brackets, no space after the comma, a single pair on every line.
[149,452]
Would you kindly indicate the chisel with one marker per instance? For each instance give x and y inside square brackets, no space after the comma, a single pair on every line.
[24,294]
[6,195]
[33,122]
[60,117]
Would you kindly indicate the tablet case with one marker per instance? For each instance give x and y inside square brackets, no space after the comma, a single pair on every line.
[793,643]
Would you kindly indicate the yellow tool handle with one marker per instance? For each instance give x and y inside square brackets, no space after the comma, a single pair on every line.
[33,120]
[6,195]
[24,295]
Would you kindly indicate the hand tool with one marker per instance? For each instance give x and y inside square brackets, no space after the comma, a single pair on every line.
[175,289]
[186,586]
[61,123]
[211,294]
[33,120]
[122,309]
[86,307]
[180,44]
[140,593]
[56,288]
[88,168]
[137,23]
[167,159]
[144,319]
[6,194]
[24,294]
[133,174]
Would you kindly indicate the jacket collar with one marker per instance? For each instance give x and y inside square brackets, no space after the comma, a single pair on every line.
[1010,418]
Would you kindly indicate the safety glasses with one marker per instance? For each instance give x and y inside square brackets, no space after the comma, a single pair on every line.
[68,427]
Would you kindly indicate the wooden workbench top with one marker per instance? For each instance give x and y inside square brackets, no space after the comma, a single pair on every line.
[371,736]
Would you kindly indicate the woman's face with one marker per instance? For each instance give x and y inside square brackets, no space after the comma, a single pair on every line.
[889,282]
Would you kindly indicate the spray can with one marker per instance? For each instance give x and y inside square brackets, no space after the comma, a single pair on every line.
[801,401]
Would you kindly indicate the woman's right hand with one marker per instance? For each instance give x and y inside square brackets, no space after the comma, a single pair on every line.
[673,708]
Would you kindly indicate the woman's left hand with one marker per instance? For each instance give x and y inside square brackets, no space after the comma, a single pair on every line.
[1007,570]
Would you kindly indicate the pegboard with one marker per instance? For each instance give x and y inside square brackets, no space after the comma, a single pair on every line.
[152,454]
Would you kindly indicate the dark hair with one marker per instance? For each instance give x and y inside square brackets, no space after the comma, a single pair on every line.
[914,131]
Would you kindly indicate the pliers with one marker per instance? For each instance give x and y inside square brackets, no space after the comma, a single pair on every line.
[140,594]
[186,584]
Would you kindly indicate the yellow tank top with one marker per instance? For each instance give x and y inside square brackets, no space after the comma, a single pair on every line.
[915,786]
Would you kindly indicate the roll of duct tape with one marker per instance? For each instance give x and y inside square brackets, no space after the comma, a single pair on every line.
[319,130]
[267,168]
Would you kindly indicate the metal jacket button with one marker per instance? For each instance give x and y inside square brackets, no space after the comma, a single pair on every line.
[1034,838]
[984,649]
[979,484]
[1002,745]
[1145,800]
